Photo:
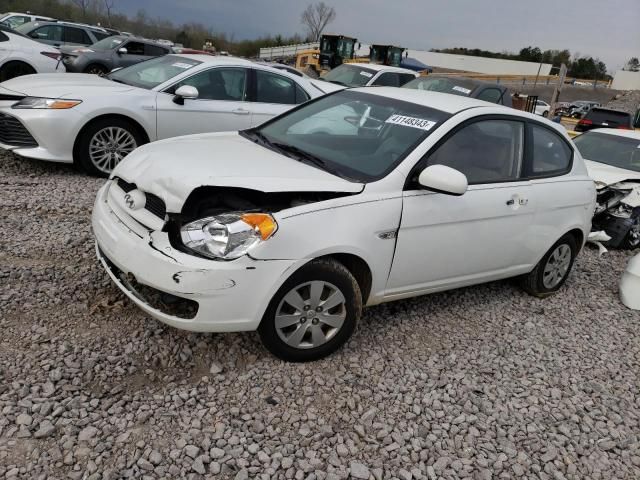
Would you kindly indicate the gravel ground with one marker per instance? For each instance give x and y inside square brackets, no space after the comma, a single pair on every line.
[484,382]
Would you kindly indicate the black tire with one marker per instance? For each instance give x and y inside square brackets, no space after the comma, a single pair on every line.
[15,69]
[96,69]
[545,114]
[332,274]
[534,282]
[82,155]
[632,239]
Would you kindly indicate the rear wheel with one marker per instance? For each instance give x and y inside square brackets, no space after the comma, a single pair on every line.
[313,313]
[554,268]
[104,143]
[15,69]
[545,113]
[96,69]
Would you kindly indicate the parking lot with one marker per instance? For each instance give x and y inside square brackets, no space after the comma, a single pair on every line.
[484,382]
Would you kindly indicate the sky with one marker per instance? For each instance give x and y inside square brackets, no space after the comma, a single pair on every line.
[608,29]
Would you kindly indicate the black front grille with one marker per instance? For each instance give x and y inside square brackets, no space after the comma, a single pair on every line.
[13,133]
[153,203]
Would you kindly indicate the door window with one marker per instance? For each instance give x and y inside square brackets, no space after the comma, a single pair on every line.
[406,78]
[272,88]
[76,36]
[486,151]
[154,51]
[218,84]
[16,21]
[52,33]
[134,48]
[101,36]
[492,95]
[551,153]
[387,80]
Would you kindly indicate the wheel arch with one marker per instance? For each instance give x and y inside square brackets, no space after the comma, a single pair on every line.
[118,116]
[19,60]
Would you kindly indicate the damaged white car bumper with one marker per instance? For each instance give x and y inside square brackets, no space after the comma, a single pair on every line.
[182,290]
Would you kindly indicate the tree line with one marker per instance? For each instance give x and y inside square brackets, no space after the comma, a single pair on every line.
[578,66]
[104,13]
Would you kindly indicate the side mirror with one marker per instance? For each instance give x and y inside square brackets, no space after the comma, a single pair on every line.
[122,51]
[443,179]
[185,92]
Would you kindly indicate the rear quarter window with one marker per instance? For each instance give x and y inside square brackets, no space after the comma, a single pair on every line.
[550,154]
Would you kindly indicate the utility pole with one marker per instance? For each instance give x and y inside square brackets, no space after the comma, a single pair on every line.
[558,88]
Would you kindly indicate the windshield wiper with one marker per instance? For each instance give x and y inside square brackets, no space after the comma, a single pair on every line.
[302,155]
[117,81]
[337,82]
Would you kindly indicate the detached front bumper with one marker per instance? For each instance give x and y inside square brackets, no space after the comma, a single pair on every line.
[224,296]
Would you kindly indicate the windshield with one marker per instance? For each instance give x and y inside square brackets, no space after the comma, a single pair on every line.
[443,85]
[25,28]
[350,75]
[107,44]
[355,135]
[153,72]
[614,150]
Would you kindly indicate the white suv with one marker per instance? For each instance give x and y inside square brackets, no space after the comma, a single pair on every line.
[293,226]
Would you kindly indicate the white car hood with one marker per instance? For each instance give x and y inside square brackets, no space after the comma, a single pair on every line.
[55,85]
[173,168]
[608,174]
[326,87]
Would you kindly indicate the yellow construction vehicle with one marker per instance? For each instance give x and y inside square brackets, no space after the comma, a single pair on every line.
[334,50]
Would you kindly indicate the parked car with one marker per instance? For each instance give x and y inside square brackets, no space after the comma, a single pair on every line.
[96,121]
[613,161]
[20,55]
[290,230]
[464,87]
[360,75]
[542,108]
[57,34]
[110,53]
[578,108]
[599,117]
[13,19]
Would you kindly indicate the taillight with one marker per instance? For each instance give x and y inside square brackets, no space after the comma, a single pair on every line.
[55,56]
[585,121]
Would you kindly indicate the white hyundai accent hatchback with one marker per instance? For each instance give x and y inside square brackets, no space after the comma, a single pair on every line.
[361,197]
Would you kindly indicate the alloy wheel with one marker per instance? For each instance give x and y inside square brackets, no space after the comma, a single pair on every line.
[109,146]
[310,314]
[557,266]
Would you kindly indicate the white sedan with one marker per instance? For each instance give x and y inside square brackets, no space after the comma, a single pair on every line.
[20,55]
[542,108]
[96,121]
[291,231]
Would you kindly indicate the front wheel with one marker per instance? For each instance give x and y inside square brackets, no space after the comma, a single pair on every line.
[104,143]
[313,313]
[553,270]
[96,69]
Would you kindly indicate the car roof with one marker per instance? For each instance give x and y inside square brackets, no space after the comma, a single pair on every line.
[617,132]
[38,23]
[379,68]
[604,109]
[471,83]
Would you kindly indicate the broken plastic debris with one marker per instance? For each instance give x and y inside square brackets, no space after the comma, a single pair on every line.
[596,238]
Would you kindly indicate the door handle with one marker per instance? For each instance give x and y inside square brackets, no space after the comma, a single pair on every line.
[511,202]
[240,111]
[517,199]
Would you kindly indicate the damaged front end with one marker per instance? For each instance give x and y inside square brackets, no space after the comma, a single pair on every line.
[618,213]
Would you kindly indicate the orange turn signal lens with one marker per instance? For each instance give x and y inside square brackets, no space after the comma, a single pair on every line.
[262,222]
[64,104]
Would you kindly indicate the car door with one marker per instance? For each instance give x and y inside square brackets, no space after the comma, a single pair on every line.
[446,241]
[221,104]
[49,34]
[135,54]
[272,94]
[386,79]
[560,196]
[75,36]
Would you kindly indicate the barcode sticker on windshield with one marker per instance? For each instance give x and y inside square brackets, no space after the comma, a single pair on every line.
[412,122]
[181,65]
[366,74]
[466,91]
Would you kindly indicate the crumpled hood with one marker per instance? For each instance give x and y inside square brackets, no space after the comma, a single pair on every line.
[70,85]
[173,168]
[609,175]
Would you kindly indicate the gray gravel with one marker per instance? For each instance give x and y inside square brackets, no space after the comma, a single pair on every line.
[484,382]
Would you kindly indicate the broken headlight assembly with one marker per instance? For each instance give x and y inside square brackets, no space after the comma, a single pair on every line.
[227,236]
